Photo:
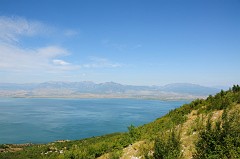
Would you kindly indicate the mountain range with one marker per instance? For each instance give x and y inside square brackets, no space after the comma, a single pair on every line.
[88,89]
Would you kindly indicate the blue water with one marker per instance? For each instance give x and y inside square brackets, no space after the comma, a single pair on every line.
[25,120]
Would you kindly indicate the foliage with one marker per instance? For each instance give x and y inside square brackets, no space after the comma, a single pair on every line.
[81,149]
[224,99]
[115,155]
[3,146]
[221,140]
[146,149]
[167,148]
[134,133]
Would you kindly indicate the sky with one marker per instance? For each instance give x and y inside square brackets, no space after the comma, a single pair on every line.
[137,42]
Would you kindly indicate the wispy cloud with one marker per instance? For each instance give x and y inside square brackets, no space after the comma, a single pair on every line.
[60,62]
[52,51]
[18,59]
[15,57]
[12,28]
[41,59]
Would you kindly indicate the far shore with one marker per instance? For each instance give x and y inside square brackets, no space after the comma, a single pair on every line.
[110,96]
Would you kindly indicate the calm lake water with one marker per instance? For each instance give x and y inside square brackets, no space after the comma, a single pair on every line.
[44,120]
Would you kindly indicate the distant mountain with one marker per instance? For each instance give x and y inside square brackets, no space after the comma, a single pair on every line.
[188,88]
[87,89]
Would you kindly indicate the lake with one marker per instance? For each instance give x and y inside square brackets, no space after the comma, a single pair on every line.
[32,120]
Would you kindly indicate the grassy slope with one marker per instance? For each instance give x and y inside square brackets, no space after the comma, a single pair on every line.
[188,121]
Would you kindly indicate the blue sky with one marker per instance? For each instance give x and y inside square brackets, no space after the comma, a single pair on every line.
[139,42]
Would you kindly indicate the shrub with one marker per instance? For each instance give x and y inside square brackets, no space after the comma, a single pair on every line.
[221,141]
[168,148]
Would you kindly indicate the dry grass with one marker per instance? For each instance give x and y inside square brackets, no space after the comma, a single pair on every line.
[105,156]
[189,136]
[132,151]
[187,139]
[190,130]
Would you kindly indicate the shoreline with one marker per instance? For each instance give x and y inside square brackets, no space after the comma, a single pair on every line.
[104,96]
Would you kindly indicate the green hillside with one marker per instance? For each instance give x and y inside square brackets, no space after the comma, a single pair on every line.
[202,129]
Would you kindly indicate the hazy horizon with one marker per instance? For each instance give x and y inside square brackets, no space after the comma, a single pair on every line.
[135,42]
[214,86]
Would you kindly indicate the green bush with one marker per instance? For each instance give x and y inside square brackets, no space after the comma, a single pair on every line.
[167,148]
[221,140]
[134,133]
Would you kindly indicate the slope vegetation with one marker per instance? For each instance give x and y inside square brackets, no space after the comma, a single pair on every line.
[202,129]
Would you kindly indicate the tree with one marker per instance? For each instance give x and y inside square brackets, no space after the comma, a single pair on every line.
[168,148]
[133,132]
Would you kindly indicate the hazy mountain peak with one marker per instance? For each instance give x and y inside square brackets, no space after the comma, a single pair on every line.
[77,89]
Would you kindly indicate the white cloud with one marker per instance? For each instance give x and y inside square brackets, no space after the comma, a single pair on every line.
[20,60]
[44,59]
[51,52]
[15,57]
[60,62]
[12,28]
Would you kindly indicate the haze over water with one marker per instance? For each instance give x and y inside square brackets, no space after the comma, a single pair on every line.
[25,120]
